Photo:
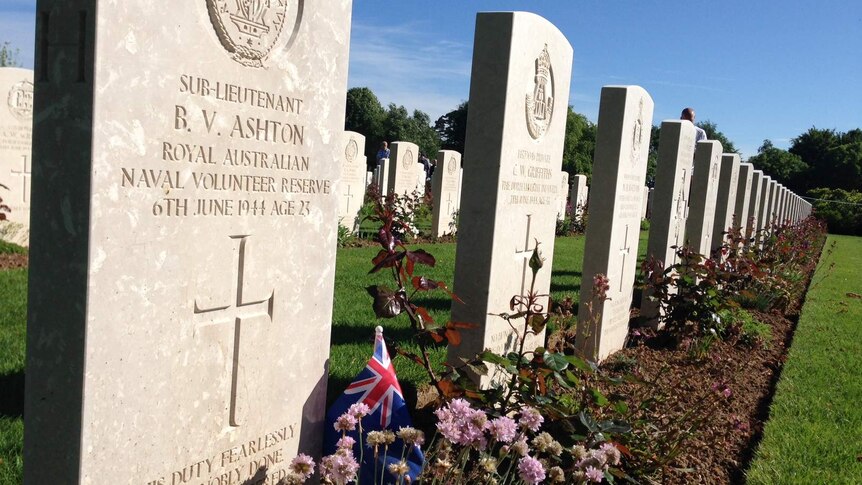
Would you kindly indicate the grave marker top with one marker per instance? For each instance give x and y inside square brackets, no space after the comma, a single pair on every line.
[444,188]
[702,200]
[16,129]
[404,168]
[183,218]
[515,132]
[619,171]
[351,185]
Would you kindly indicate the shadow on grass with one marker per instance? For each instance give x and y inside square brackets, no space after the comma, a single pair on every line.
[351,333]
[12,397]
[562,288]
[576,274]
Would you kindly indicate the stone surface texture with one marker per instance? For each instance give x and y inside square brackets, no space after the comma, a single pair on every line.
[563,195]
[702,199]
[444,187]
[350,188]
[578,195]
[669,199]
[763,210]
[519,92]
[16,131]
[404,168]
[183,238]
[754,203]
[743,195]
[611,246]
[725,203]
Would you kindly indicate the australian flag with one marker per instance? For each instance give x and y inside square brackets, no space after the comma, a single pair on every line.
[377,387]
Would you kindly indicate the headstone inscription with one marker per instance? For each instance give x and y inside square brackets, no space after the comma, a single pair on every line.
[563,194]
[578,196]
[183,217]
[404,168]
[16,129]
[444,187]
[702,198]
[619,172]
[754,203]
[725,199]
[743,195]
[351,186]
[670,199]
[515,132]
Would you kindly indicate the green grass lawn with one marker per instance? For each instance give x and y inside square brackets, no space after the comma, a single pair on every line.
[13,319]
[814,432]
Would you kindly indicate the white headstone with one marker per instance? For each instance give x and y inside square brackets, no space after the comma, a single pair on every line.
[754,204]
[351,185]
[725,199]
[702,197]
[515,131]
[670,199]
[444,187]
[578,196]
[184,227]
[404,168]
[383,176]
[611,246]
[743,195]
[16,130]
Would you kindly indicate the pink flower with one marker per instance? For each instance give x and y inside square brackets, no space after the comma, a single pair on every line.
[463,425]
[339,468]
[612,454]
[595,474]
[726,392]
[531,419]
[346,443]
[358,410]
[503,429]
[302,465]
[345,422]
[530,470]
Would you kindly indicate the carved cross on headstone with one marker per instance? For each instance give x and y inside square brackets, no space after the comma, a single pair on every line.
[237,311]
[624,251]
[348,196]
[449,201]
[714,175]
[24,173]
[525,254]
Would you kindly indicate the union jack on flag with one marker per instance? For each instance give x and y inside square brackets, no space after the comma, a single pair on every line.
[377,387]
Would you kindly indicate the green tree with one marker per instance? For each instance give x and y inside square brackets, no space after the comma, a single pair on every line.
[834,158]
[712,133]
[579,144]
[841,209]
[364,114]
[9,56]
[398,125]
[452,128]
[781,165]
[652,158]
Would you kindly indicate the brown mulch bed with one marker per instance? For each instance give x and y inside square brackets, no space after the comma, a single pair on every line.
[724,396]
[13,261]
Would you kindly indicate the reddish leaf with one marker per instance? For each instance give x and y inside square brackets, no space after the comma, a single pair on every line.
[409,265]
[424,317]
[421,257]
[437,337]
[422,283]
[386,261]
[387,303]
[453,336]
[461,325]
[450,389]
[411,356]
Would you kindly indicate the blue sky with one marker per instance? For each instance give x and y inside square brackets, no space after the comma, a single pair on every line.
[759,69]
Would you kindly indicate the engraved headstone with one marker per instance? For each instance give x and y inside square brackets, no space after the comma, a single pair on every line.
[743,195]
[702,197]
[770,206]
[611,246]
[644,202]
[562,195]
[519,92]
[578,196]
[16,127]
[383,176]
[669,201]
[404,168]
[184,226]
[444,187]
[351,186]
[725,199]
[763,209]
[753,204]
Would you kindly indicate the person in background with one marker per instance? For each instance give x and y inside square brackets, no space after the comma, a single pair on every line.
[383,152]
[426,164]
[688,114]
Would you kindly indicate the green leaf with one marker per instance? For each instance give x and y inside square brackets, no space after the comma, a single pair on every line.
[600,398]
[579,363]
[493,358]
[556,362]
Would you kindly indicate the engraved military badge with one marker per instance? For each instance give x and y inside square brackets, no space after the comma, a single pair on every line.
[451,168]
[540,103]
[637,134]
[20,100]
[408,159]
[351,150]
[250,29]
